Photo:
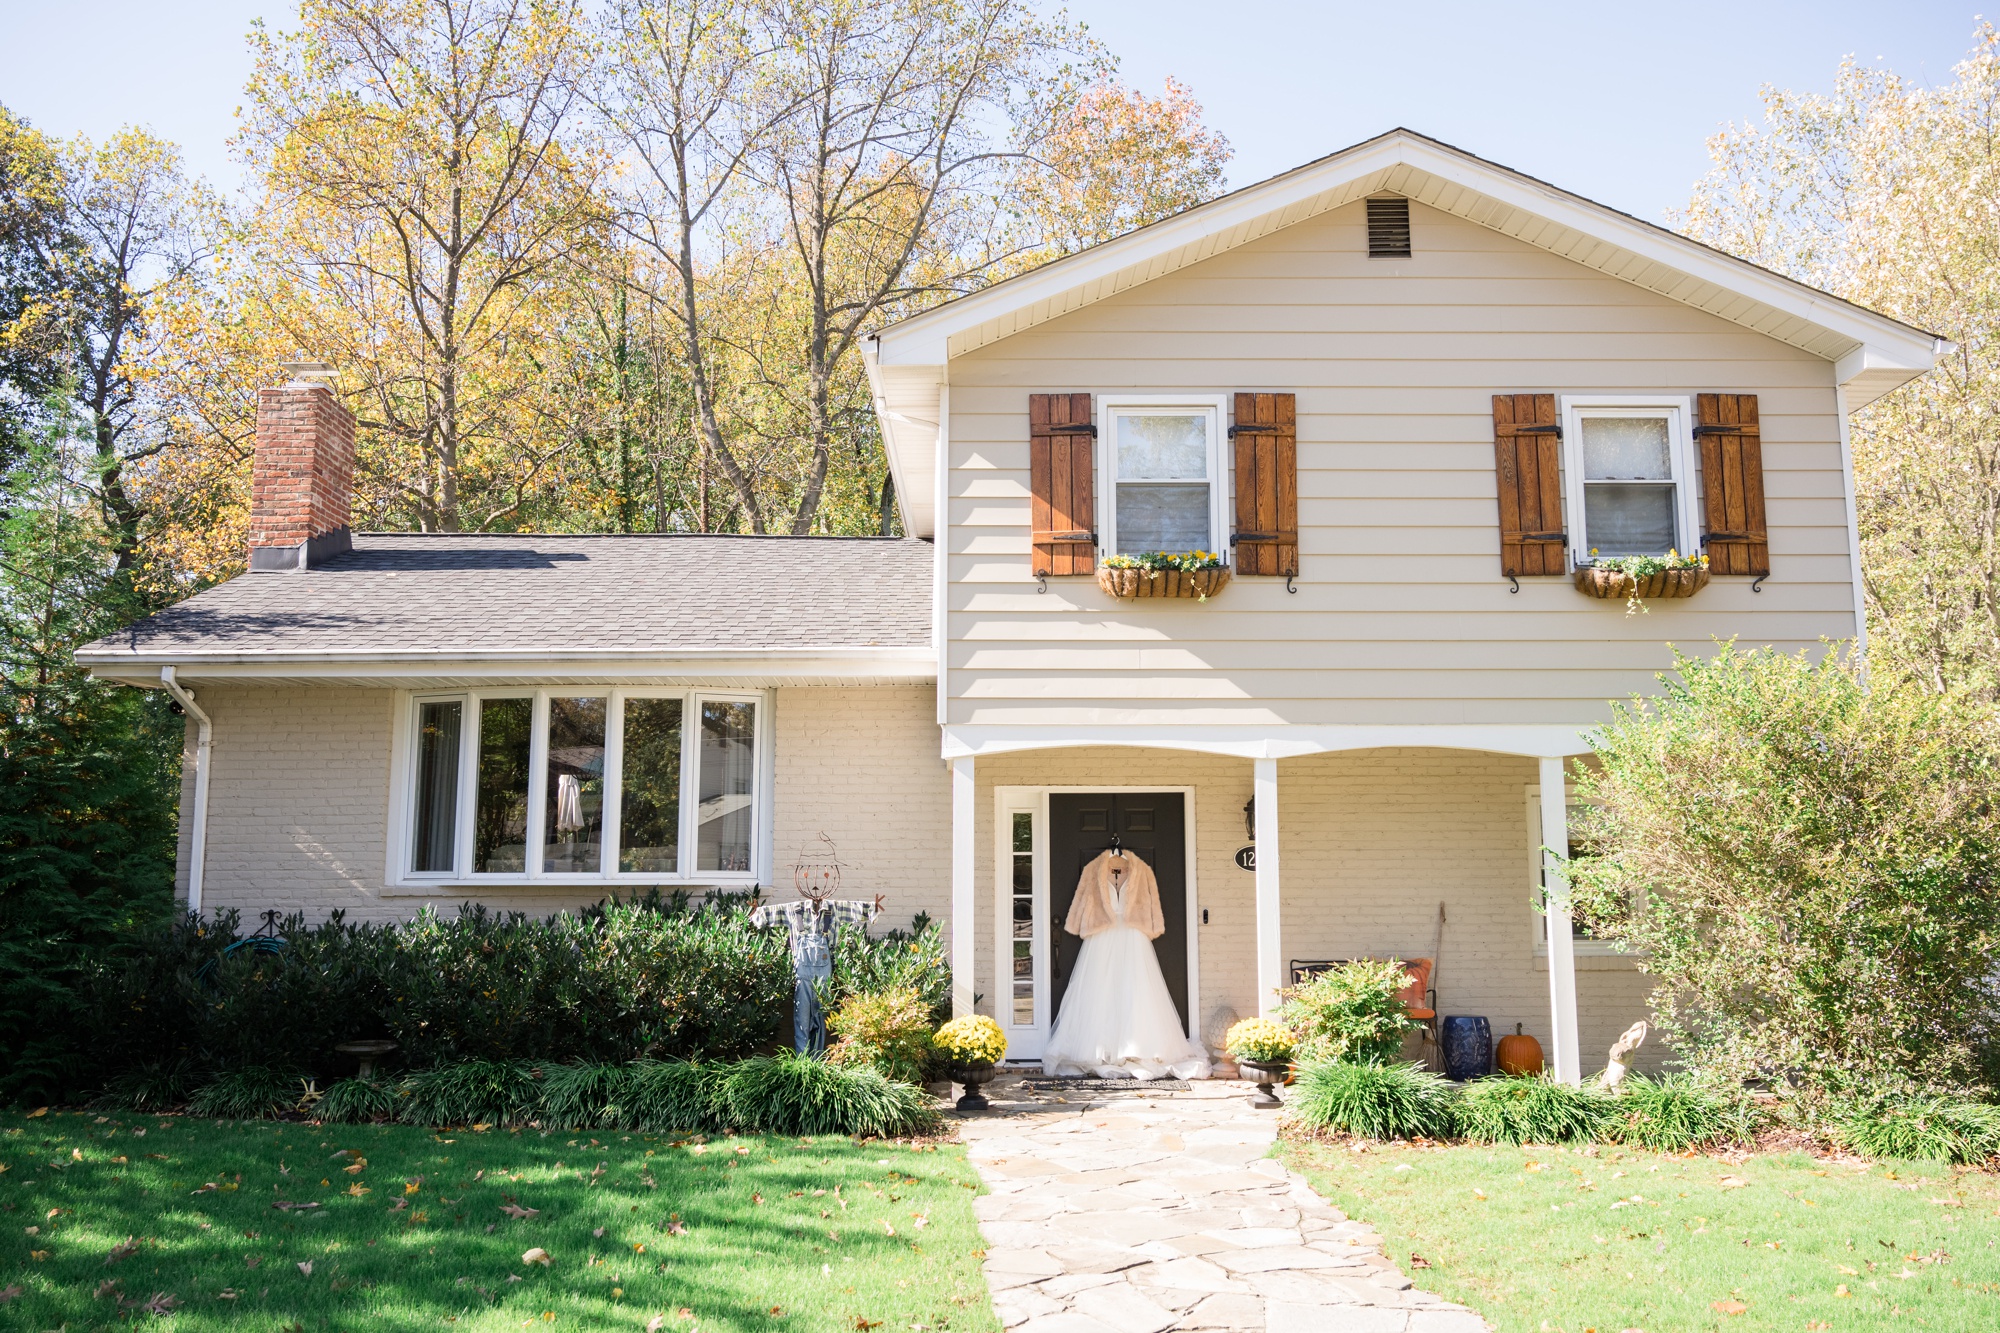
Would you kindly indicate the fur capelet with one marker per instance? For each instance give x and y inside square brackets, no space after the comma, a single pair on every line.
[1091,912]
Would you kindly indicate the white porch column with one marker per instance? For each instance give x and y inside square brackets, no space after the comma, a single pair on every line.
[1562,949]
[1270,955]
[964,948]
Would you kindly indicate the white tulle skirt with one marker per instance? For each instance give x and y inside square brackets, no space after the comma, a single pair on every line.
[1117,1019]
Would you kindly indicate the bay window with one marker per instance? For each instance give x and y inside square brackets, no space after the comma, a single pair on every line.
[578,784]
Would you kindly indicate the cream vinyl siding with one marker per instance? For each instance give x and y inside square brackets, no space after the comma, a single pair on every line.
[1402,615]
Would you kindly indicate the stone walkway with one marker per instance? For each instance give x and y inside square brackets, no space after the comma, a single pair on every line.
[1139,1213]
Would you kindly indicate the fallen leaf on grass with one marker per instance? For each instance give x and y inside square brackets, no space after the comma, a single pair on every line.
[1732,1182]
[778,1311]
[38,1255]
[124,1249]
[38,1113]
[108,1287]
[12,1291]
[538,1255]
[287,1206]
[306,1267]
[399,1205]
[1728,1307]
[360,1165]
[1418,1261]
[253,1260]
[1841,1290]
[599,1233]
[656,1323]
[516,1210]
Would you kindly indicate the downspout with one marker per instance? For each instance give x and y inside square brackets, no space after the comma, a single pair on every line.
[204,731]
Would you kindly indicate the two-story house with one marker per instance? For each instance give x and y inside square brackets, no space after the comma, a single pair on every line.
[1406,390]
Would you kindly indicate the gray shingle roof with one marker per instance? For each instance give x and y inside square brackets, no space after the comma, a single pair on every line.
[445,594]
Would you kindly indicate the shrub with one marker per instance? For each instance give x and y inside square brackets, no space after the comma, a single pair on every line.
[1671,1114]
[1376,1101]
[788,1094]
[249,1093]
[1932,1128]
[917,959]
[155,1086]
[1533,1109]
[1351,1012]
[1808,861]
[972,1040]
[1260,1041]
[888,1031]
[498,1092]
[358,1101]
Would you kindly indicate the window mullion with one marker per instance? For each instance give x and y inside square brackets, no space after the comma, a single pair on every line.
[468,786]
[612,825]
[684,860]
[538,758]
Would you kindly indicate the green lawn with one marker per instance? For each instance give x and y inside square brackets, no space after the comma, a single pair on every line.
[1606,1239]
[753,1234]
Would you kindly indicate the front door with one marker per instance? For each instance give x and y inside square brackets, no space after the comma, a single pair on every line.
[1152,826]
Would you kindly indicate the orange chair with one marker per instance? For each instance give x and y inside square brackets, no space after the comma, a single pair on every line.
[1419,998]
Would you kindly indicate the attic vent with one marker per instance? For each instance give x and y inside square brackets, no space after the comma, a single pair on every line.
[1389,228]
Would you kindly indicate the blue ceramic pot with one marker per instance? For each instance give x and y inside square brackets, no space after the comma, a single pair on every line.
[1468,1047]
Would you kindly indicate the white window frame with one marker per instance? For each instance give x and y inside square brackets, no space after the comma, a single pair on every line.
[403,793]
[1213,406]
[1678,411]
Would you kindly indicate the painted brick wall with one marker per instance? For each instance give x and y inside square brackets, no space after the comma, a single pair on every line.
[1373,841]
[298,801]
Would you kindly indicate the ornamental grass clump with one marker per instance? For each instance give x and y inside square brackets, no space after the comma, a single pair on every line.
[1260,1041]
[1351,1012]
[587,1096]
[790,1094]
[1806,863]
[249,1093]
[1375,1101]
[667,1095]
[889,1032]
[469,1092]
[1927,1128]
[971,1041]
[358,1101]
[1671,1114]
[1533,1109]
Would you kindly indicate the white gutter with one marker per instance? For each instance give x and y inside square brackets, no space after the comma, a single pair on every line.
[204,732]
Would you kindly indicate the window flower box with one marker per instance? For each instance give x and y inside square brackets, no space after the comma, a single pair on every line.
[1638,577]
[1198,575]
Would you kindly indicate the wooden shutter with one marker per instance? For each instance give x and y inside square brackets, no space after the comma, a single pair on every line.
[1732,479]
[1526,453]
[1267,484]
[1061,475]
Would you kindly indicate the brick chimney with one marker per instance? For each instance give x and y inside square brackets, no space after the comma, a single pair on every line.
[302,474]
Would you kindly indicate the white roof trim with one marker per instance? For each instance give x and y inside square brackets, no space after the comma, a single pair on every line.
[906,361]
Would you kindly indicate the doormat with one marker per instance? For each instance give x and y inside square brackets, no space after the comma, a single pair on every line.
[1104,1085]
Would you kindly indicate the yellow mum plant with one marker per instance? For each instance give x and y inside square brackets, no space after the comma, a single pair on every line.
[1260,1041]
[972,1040]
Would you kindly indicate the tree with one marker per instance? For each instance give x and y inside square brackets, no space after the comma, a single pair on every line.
[423,195]
[1884,193]
[1809,865]
[1115,161]
[37,250]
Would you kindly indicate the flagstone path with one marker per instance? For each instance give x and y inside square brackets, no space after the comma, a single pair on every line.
[1140,1213]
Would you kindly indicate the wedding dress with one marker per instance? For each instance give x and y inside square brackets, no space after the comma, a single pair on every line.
[1117,1018]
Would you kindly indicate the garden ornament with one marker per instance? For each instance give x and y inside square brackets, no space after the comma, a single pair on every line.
[812,922]
[1620,1063]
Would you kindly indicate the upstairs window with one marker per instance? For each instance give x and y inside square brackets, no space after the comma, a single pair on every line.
[1163,460]
[1630,476]
[577,785]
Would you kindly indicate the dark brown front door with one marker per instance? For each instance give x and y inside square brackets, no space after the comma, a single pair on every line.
[1152,826]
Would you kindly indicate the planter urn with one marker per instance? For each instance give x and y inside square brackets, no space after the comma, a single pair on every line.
[1266,1075]
[1468,1047]
[972,1077]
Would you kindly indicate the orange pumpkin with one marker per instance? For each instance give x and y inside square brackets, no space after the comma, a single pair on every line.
[1519,1054]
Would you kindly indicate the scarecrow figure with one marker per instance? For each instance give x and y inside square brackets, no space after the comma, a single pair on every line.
[812,922]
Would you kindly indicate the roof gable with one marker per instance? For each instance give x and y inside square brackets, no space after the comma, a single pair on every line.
[1872,352]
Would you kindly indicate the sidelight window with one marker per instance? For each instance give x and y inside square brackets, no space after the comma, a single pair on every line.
[575,785]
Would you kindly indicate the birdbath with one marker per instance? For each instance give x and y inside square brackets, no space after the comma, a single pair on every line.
[367,1052]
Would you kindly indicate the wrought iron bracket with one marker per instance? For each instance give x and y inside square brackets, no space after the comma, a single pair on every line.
[1043,580]
[1757,584]
[1516,581]
[1288,584]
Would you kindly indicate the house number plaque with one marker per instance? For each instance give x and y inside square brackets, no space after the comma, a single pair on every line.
[1246,858]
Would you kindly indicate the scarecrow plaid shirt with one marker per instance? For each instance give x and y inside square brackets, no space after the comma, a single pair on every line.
[811,926]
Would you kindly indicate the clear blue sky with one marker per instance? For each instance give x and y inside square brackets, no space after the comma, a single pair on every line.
[1610,99]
